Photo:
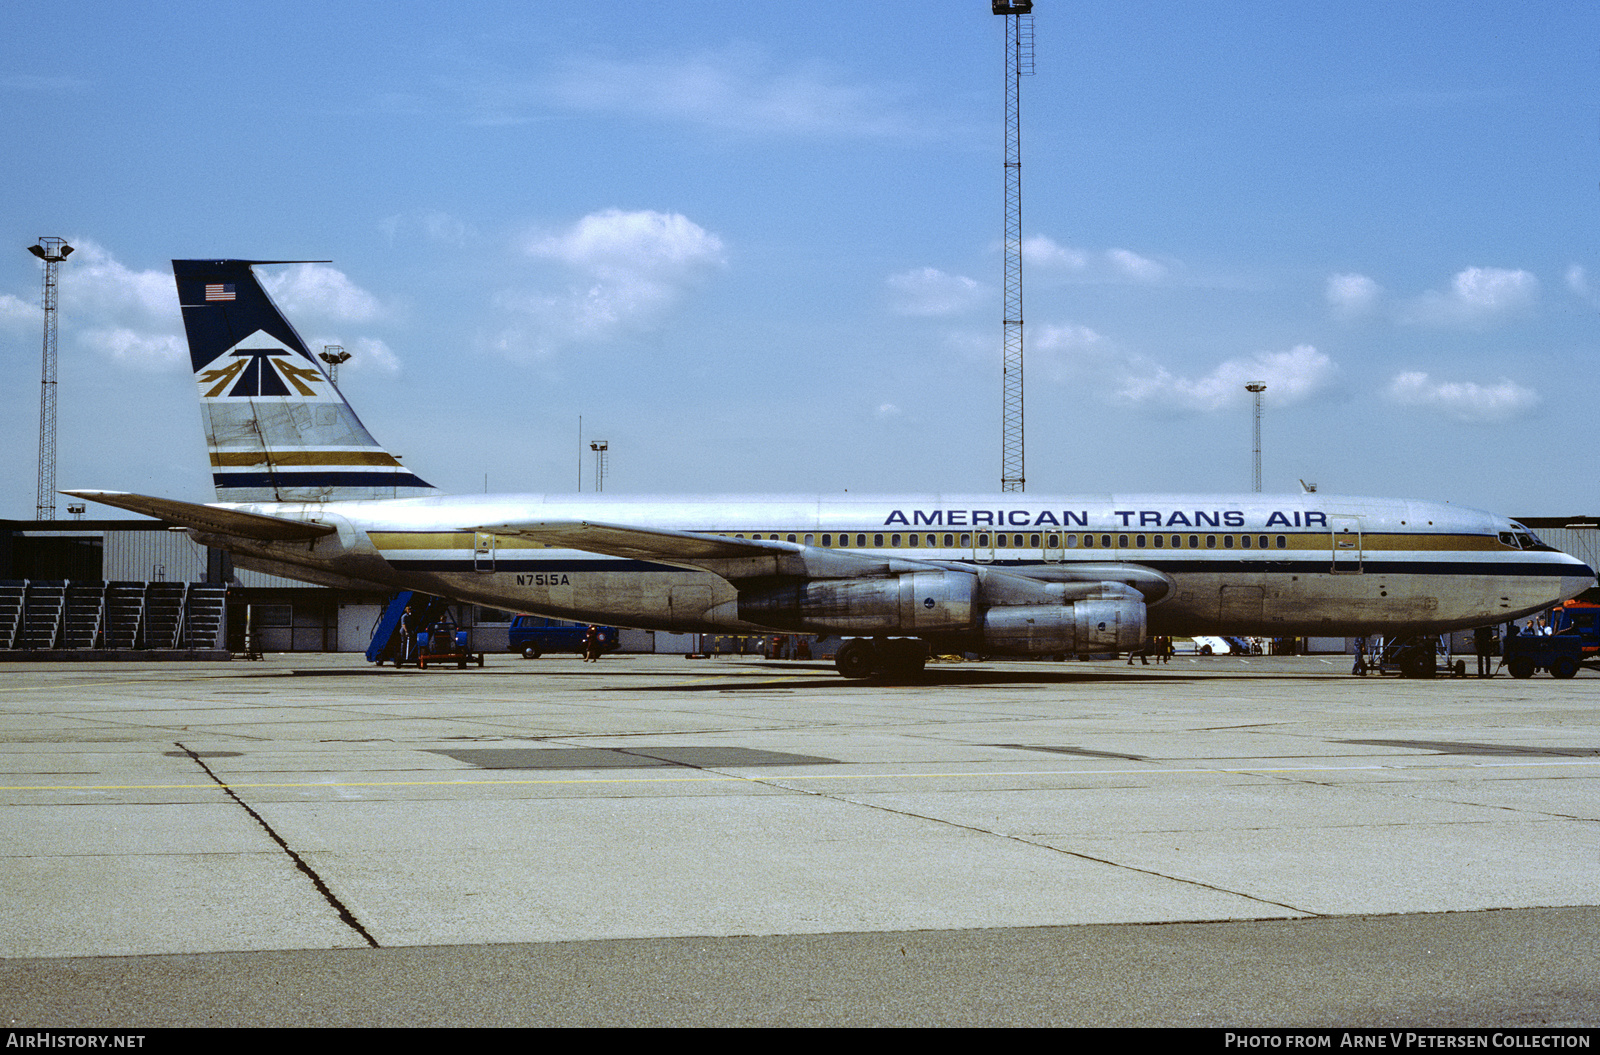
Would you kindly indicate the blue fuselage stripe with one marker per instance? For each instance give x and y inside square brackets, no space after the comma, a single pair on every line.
[370,478]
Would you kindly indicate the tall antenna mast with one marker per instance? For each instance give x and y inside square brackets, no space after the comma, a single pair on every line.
[52,251]
[1019,63]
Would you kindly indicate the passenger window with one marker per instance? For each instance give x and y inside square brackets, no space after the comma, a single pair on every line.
[966,541]
[811,540]
[983,540]
[1194,541]
[1177,542]
[791,538]
[949,540]
[894,540]
[827,540]
[877,541]
[1105,540]
[1211,542]
[1088,542]
[1055,542]
[1122,542]
[1033,540]
[1159,540]
[1283,542]
[1244,540]
[1139,542]
[916,541]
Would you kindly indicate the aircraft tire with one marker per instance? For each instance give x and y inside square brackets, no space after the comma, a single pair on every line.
[1563,667]
[857,659]
[1418,664]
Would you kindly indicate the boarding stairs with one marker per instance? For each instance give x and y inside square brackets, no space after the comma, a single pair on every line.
[388,645]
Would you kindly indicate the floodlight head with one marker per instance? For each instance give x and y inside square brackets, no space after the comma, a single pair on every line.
[51,250]
[1256,386]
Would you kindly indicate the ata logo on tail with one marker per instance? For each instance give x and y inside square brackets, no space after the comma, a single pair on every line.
[259,365]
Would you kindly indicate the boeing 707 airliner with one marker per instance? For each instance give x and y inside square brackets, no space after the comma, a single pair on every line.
[305,491]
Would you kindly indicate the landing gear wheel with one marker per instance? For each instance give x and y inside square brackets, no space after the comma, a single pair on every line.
[857,659]
[1418,664]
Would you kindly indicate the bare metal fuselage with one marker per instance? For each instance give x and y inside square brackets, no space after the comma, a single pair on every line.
[1240,564]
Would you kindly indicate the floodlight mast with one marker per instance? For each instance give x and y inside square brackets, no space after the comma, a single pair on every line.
[1019,63]
[1257,387]
[601,449]
[52,251]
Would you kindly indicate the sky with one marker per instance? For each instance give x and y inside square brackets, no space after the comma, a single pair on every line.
[758,246]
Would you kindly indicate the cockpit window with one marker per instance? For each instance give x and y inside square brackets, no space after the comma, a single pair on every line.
[1520,537]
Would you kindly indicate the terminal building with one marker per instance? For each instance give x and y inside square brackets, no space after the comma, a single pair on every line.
[97,586]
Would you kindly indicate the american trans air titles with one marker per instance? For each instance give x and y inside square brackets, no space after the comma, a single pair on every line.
[306,491]
[1067,518]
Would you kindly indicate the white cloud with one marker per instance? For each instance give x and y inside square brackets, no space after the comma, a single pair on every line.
[1352,296]
[736,90]
[367,355]
[435,226]
[1134,266]
[929,291]
[16,313]
[1477,296]
[1290,377]
[129,316]
[1464,401]
[1078,355]
[1043,251]
[142,351]
[93,281]
[319,290]
[633,270]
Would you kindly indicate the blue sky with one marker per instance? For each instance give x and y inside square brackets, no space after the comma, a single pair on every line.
[757,246]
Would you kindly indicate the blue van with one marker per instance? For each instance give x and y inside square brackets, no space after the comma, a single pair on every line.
[534,635]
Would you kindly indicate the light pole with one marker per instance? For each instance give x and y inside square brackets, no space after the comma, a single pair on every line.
[333,355]
[1257,387]
[52,251]
[600,447]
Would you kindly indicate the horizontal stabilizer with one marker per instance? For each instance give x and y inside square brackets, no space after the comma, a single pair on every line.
[210,518]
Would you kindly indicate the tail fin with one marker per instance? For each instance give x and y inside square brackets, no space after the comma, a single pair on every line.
[277,428]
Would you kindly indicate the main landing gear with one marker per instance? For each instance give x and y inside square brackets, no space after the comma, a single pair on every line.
[881,657]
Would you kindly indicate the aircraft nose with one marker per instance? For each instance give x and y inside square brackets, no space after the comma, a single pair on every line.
[1576,580]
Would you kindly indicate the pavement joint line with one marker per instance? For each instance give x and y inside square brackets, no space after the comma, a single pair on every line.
[706,776]
[305,869]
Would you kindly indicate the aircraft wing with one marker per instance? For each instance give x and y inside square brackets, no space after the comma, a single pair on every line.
[732,558]
[211,518]
[616,540]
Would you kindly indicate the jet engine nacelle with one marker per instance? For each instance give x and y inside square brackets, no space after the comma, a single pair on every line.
[922,602]
[1083,626]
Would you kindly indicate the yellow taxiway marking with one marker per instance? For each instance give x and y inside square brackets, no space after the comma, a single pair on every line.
[709,777]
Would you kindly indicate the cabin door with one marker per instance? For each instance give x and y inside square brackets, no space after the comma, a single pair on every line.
[1345,539]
